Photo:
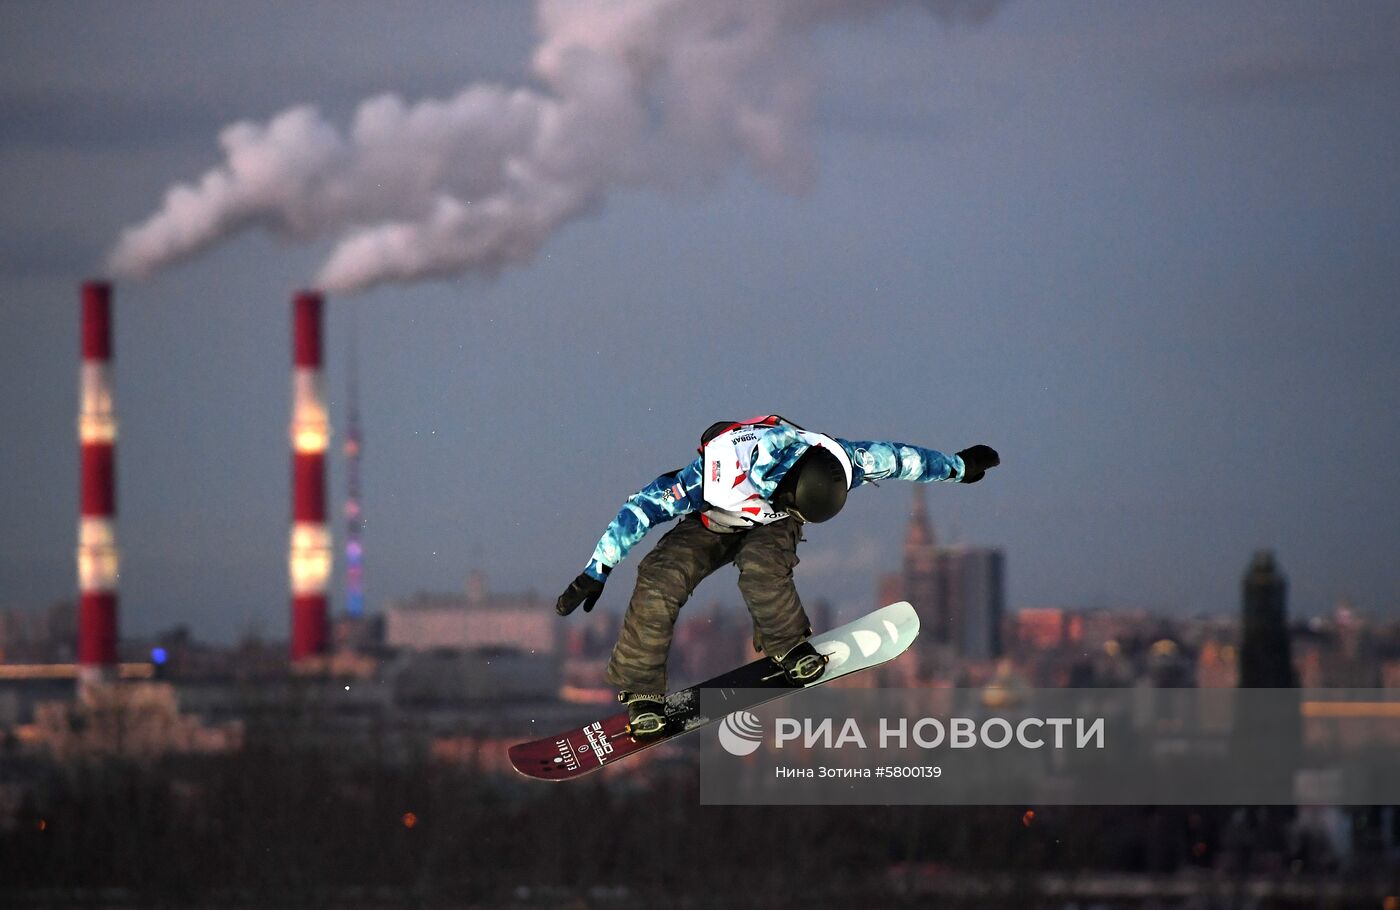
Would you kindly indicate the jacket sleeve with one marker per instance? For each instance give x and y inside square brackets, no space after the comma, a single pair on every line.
[874,460]
[668,496]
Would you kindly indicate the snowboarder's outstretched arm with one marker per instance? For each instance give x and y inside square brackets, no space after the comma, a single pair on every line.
[873,460]
[669,496]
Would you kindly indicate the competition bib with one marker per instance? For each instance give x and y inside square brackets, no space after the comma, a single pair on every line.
[733,502]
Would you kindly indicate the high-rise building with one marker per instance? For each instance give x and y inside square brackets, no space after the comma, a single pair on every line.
[1268,705]
[958,592]
[1266,660]
[974,598]
[921,581]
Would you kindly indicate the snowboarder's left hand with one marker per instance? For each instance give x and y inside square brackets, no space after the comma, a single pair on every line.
[585,590]
[977,461]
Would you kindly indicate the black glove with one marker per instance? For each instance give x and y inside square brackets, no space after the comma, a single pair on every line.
[585,590]
[977,460]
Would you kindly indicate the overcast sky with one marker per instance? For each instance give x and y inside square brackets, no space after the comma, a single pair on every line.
[1147,251]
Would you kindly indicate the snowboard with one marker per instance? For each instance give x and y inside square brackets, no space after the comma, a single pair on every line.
[869,641]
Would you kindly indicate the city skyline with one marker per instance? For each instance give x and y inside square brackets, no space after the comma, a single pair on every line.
[1141,253]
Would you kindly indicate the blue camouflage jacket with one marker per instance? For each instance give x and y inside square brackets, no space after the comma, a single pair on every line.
[680,492]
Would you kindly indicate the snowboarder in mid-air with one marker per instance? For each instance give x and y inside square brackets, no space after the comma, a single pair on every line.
[744,500]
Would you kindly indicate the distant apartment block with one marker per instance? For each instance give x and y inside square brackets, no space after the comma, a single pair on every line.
[475,619]
[39,634]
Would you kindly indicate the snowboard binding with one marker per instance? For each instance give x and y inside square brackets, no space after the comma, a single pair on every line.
[801,665]
[646,715]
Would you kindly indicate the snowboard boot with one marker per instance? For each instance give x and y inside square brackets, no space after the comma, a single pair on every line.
[646,714]
[802,664]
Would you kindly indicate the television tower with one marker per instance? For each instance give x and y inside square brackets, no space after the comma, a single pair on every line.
[354,521]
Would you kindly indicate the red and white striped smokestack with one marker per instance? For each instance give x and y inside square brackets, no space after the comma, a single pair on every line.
[310,558]
[98,568]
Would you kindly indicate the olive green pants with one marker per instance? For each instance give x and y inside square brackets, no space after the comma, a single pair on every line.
[765,556]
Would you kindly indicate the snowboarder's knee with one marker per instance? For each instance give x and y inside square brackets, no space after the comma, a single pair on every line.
[768,580]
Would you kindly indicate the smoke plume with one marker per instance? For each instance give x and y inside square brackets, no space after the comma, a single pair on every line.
[657,94]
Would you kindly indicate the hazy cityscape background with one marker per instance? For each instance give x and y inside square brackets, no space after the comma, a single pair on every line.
[1143,251]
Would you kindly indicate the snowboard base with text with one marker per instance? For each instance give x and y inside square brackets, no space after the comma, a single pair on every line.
[869,641]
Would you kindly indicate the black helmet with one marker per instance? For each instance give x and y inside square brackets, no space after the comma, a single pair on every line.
[814,488]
